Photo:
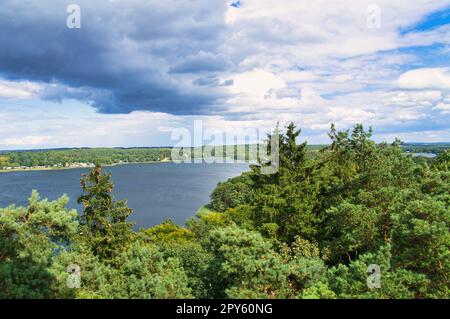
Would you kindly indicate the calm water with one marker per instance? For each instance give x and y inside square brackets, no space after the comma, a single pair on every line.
[429,155]
[155,191]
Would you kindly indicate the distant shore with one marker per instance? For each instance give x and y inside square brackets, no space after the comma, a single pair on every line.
[73,166]
[85,165]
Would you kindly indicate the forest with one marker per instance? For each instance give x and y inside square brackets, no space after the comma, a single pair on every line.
[110,156]
[62,157]
[310,231]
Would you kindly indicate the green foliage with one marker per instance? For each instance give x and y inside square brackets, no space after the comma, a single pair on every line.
[311,230]
[244,266]
[104,156]
[350,228]
[141,271]
[442,162]
[421,242]
[318,291]
[207,221]
[169,232]
[182,243]
[144,273]
[354,199]
[104,221]
[195,260]
[288,198]
[236,191]
[29,238]
[351,281]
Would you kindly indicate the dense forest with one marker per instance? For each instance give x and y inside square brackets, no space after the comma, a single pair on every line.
[109,156]
[62,157]
[311,230]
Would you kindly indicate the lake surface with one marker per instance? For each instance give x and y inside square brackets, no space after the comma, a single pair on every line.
[155,191]
[428,155]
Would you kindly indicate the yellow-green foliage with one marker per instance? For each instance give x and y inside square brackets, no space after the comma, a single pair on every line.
[204,210]
[211,219]
[4,160]
[215,219]
[168,232]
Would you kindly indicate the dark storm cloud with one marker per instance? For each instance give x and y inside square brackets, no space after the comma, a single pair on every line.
[128,55]
[212,81]
[203,62]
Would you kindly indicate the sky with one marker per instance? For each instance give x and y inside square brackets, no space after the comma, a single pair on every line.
[132,73]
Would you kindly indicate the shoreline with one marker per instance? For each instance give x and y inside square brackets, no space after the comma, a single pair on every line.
[36,169]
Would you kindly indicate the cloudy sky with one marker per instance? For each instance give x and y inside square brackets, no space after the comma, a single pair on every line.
[137,70]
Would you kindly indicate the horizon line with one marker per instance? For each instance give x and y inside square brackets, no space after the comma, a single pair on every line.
[170,147]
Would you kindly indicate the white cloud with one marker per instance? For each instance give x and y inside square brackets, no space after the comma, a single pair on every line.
[443,107]
[425,78]
[334,68]
[427,136]
[18,90]
[74,124]
[256,83]
[311,62]
[313,30]
[27,141]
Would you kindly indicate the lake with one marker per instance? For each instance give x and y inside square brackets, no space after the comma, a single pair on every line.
[428,155]
[156,191]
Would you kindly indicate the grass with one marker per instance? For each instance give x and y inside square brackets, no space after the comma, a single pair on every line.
[204,210]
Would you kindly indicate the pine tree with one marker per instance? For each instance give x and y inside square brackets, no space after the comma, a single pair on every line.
[285,203]
[29,238]
[104,222]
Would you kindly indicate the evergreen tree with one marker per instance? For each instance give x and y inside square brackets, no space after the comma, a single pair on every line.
[104,220]
[285,204]
[244,266]
[310,230]
[29,238]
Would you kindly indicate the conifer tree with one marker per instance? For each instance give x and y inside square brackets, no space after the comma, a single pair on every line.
[104,221]
[29,238]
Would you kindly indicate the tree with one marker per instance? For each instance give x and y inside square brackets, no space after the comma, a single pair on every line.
[180,243]
[104,221]
[307,269]
[287,200]
[351,281]
[421,242]
[168,232]
[311,230]
[234,192]
[244,266]
[140,271]
[442,161]
[29,237]
[143,272]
